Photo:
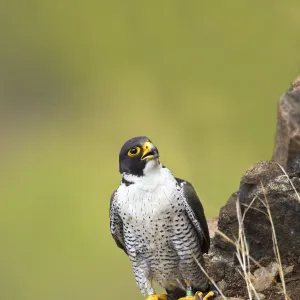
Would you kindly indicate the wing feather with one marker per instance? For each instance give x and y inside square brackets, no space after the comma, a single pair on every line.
[195,212]
[116,224]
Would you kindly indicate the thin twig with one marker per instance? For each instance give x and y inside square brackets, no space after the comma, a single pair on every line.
[212,281]
[242,251]
[285,173]
[240,248]
[275,245]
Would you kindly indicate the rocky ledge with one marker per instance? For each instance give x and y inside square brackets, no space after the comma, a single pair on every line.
[261,221]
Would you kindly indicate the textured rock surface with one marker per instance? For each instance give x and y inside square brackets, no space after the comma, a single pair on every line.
[263,277]
[285,210]
[284,205]
[287,142]
[264,185]
[229,298]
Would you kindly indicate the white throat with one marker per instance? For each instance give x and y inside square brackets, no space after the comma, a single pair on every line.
[153,176]
[152,166]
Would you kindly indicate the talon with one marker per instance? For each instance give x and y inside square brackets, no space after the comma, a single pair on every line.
[210,295]
[199,295]
[162,297]
[152,297]
[157,297]
[187,298]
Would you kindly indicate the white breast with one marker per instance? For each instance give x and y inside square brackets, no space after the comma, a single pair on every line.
[149,197]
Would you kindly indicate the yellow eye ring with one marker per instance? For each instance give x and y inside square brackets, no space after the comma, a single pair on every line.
[134,151]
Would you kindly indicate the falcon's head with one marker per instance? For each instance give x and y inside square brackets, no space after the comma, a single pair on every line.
[138,156]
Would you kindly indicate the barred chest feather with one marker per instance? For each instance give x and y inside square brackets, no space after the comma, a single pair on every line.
[152,213]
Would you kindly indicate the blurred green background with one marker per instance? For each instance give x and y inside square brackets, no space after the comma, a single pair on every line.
[79,78]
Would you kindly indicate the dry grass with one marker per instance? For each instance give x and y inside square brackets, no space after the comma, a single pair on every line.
[242,248]
[242,253]
[211,280]
[275,244]
[285,173]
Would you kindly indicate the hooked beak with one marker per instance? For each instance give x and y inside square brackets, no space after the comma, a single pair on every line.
[149,151]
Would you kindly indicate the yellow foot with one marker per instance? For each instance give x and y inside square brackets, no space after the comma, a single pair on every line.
[187,298]
[199,295]
[209,295]
[157,297]
[162,297]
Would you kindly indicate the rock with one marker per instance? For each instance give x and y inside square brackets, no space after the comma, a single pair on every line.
[212,226]
[264,189]
[263,277]
[227,222]
[287,146]
[229,298]
[222,285]
[262,172]
[261,296]
[296,83]
[284,207]
[288,269]
[217,269]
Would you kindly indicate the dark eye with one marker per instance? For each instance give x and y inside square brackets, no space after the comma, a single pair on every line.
[134,151]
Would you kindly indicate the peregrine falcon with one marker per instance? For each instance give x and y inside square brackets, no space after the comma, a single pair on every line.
[159,222]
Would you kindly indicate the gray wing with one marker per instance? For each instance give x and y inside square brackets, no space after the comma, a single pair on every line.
[116,224]
[195,212]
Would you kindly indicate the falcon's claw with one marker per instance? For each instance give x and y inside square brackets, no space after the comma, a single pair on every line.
[162,297]
[187,298]
[211,294]
[199,295]
[157,297]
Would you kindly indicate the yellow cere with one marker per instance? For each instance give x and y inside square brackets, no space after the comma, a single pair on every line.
[147,147]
